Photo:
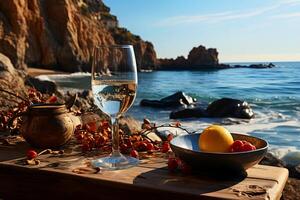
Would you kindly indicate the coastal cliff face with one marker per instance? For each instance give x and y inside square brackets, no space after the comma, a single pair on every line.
[60,34]
[11,80]
[198,57]
[144,50]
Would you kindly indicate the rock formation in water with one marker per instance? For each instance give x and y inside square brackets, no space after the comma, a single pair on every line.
[175,100]
[198,57]
[60,34]
[225,107]
[202,58]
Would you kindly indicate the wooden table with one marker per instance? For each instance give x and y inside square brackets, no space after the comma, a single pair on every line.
[67,176]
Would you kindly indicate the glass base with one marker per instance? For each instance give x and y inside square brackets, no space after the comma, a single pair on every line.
[115,162]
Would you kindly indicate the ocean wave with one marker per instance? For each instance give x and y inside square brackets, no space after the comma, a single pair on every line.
[70,82]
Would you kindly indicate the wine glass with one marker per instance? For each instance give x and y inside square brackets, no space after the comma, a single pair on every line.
[114,85]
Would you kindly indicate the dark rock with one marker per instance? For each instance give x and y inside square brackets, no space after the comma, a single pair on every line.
[179,62]
[224,107]
[291,189]
[292,158]
[255,66]
[178,97]
[271,160]
[262,66]
[47,87]
[83,102]
[174,100]
[227,107]
[188,113]
[294,171]
[129,125]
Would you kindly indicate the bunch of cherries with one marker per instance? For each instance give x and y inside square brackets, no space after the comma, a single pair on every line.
[241,145]
[92,137]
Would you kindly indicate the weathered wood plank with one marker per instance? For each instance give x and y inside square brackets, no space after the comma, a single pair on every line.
[55,178]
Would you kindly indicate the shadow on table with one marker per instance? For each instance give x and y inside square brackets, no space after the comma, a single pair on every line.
[10,152]
[183,186]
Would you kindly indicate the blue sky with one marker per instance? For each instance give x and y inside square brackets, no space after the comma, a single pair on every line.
[241,30]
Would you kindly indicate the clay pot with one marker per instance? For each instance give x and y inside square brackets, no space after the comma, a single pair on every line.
[47,125]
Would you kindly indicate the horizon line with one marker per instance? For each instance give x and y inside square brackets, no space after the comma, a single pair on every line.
[258,61]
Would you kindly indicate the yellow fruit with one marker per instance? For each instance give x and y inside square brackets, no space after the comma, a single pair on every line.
[215,139]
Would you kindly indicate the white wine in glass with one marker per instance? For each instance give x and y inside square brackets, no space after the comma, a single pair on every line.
[114,85]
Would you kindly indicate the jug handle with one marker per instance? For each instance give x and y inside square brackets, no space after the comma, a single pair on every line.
[11,120]
[69,104]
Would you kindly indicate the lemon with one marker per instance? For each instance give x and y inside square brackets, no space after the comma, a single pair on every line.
[215,139]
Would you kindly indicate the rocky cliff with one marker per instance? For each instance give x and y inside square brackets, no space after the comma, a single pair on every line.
[60,34]
[198,57]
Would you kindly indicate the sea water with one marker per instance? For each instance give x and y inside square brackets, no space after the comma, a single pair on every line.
[273,94]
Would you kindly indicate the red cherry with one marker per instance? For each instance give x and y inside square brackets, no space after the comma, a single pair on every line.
[31,154]
[31,90]
[244,141]
[91,127]
[31,95]
[170,137]
[143,146]
[123,146]
[52,99]
[129,143]
[99,140]
[237,146]
[179,161]
[172,164]
[104,124]
[150,146]
[247,147]
[165,147]
[156,147]
[134,153]
[4,119]
[80,136]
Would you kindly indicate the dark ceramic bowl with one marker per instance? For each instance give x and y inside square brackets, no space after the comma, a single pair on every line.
[186,148]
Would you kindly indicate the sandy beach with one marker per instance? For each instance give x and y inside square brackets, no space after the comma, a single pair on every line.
[38,71]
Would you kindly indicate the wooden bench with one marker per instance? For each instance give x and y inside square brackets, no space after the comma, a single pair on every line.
[68,176]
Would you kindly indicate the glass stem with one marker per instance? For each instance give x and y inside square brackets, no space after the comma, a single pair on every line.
[115,136]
